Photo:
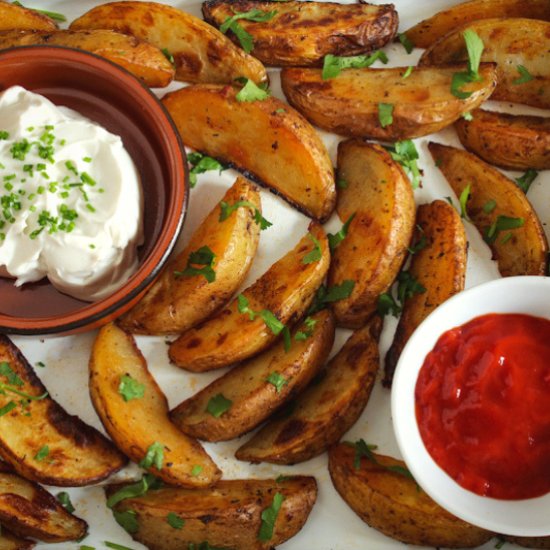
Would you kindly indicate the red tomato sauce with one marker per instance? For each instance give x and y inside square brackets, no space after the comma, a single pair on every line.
[483,405]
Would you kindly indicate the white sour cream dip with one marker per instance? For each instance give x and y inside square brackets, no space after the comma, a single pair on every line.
[71,205]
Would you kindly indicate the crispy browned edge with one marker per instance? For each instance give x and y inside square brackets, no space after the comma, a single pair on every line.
[10,541]
[530,542]
[33,19]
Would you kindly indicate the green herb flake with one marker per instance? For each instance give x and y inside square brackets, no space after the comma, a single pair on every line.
[385,114]
[341,183]
[4,135]
[86,547]
[489,206]
[315,254]
[335,239]
[282,478]
[218,405]
[227,209]
[42,453]
[463,200]
[153,457]
[326,296]
[386,305]
[202,257]
[524,182]
[10,374]
[408,286]
[364,450]
[420,243]
[245,38]
[252,92]
[137,489]
[502,223]
[301,335]
[127,519]
[129,388]
[468,116]
[406,42]
[115,546]
[277,380]
[408,72]
[200,164]
[474,46]
[7,408]
[196,470]
[333,65]
[405,153]
[51,14]
[175,521]
[65,501]
[269,517]
[524,76]
[500,542]
[168,55]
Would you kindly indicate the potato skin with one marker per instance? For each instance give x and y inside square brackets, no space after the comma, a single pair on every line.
[440,267]
[302,33]
[176,304]
[530,542]
[326,410]
[9,541]
[253,397]
[517,142]
[200,52]
[227,515]
[393,504]
[348,104]
[17,17]
[380,195]
[142,59]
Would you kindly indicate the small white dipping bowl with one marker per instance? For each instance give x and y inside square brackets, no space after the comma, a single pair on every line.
[527,295]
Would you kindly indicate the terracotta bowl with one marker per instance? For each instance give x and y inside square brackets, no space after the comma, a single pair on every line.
[112,97]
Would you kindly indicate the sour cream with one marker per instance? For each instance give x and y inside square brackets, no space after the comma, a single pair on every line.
[71,205]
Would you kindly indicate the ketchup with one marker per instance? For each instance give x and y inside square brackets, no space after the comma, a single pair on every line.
[483,405]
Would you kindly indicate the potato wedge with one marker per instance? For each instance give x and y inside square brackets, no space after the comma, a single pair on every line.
[30,511]
[530,542]
[518,250]
[266,139]
[349,104]
[9,541]
[143,60]
[439,265]
[379,196]
[228,515]
[393,504]
[253,396]
[301,34]
[510,43]
[137,423]
[326,410]
[177,303]
[425,33]
[286,290]
[41,441]
[17,17]
[517,142]
[201,53]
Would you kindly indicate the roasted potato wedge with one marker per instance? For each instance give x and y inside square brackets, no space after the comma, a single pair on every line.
[201,53]
[439,265]
[228,515]
[518,250]
[326,410]
[286,290]
[9,541]
[425,33]
[177,303]
[379,196]
[510,43]
[266,139]
[302,33]
[41,441]
[143,60]
[248,387]
[349,104]
[530,542]
[517,142]
[17,17]
[393,504]
[136,424]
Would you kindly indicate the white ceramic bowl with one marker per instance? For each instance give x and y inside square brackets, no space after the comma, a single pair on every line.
[528,295]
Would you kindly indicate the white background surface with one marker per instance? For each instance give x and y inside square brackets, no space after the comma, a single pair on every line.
[332,525]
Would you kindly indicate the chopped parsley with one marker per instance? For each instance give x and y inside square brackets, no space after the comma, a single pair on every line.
[130,388]
[463,200]
[115,546]
[313,255]
[419,244]
[218,405]
[51,14]
[407,287]
[524,76]
[65,501]
[468,116]
[146,483]
[154,456]
[333,65]
[175,521]
[335,239]
[385,114]
[474,47]
[269,517]
[489,206]
[502,223]
[525,181]
[202,257]
[227,209]
[252,92]
[301,335]
[277,380]
[341,183]
[127,519]
[405,42]
[168,55]
[364,450]
[8,408]
[42,453]
[196,470]
[12,377]
[408,72]
[245,38]
[405,153]
[325,296]
[200,164]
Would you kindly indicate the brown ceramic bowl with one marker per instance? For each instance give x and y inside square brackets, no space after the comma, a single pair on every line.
[112,97]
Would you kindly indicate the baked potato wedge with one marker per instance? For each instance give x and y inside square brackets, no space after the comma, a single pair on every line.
[421,104]
[511,43]
[226,516]
[517,142]
[530,542]
[302,33]
[425,33]
[39,439]
[499,210]
[380,197]
[143,60]
[286,290]
[259,386]
[176,303]
[136,423]
[201,53]
[9,541]
[266,139]
[438,264]
[327,409]
[18,17]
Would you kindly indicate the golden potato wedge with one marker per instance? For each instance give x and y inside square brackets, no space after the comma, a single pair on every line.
[495,202]
[143,60]
[286,290]
[17,17]
[201,53]
[379,196]
[227,515]
[266,139]
[9,541]
[40,440]
[137,423]
[177,303]
[30,511]
[530,542]
[326,410]
[393,504]
[425,33]
[302,33]
[517,142]
[349,104]
[259,386]
[439,265]
[510,43]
